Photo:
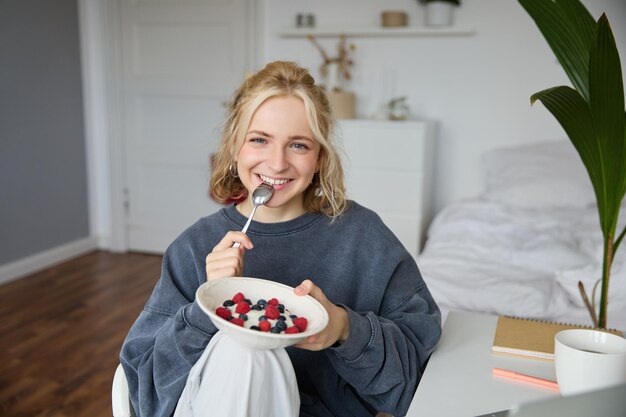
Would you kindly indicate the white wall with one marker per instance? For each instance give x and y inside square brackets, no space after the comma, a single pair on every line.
[477,87]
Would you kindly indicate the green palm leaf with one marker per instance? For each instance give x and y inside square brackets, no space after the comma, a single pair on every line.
[575,116]
[592,114]
[607,107]
[568,28]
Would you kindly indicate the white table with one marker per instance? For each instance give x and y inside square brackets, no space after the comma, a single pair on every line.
[458,379]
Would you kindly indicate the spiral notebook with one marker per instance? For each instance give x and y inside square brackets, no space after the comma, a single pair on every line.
[529,338]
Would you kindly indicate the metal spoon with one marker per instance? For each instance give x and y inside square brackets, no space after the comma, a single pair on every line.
[260,196]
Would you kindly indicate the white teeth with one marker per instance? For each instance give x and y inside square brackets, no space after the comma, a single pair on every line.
[272,181]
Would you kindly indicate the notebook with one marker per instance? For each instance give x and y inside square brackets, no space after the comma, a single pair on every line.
[529,338]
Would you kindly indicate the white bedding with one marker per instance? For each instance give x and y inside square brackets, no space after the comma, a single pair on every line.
[522,256]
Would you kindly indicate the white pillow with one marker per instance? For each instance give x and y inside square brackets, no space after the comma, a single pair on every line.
[540,175]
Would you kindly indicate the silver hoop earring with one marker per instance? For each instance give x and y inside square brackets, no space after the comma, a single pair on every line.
[232,170]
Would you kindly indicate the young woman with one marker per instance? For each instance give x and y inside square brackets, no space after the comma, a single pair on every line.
[383,322]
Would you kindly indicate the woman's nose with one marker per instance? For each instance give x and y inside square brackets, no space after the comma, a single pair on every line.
[278,160]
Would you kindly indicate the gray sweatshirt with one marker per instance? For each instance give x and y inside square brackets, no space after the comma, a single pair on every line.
[356,261]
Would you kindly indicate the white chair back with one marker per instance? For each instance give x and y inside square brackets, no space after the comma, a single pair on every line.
[120,401]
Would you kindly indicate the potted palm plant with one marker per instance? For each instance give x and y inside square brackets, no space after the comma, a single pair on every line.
[591,113]
[439,12]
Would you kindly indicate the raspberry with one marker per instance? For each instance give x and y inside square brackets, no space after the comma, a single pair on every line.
[237,321]
[223,312]
[239,297]
[300,323]
[242,308]
[271,312]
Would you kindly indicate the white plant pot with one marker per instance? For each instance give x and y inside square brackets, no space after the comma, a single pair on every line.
[439,13]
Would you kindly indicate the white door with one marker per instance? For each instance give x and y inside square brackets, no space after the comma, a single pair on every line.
[181,62]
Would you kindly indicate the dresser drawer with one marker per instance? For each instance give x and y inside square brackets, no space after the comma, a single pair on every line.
[383,146]
[386,190]
[389,170]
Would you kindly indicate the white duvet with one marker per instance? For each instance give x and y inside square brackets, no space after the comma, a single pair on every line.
[490,257]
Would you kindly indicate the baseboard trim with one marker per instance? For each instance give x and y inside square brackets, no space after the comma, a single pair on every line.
[18,269]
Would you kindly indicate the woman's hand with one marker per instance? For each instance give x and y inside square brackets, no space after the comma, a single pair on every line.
[226,261]
[338,327]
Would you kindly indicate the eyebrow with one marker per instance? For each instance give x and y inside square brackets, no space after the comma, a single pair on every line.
[295,137]
[259,132]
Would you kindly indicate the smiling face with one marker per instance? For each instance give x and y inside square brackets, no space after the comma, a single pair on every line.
[279,149]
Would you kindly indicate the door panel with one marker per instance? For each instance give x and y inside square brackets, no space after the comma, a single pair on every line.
[181,62]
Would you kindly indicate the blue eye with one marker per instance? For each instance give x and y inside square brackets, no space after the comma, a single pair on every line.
[258,140]
[299,146]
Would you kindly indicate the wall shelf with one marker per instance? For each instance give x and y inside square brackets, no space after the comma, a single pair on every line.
[375,32]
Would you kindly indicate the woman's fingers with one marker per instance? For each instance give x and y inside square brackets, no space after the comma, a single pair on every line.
[228,258]
[224,265]
[226,261]
[231,238]
[307,287]
[338,323]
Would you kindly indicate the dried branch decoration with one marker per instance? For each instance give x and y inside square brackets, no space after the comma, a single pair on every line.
[342,60]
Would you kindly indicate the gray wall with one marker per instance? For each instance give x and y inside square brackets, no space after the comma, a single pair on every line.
[43,184]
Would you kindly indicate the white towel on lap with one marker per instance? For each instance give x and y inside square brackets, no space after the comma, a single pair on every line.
[234,380]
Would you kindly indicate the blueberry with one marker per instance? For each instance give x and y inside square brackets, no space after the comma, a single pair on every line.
[256,307]
[262,318]
[244,317]
[262,302]
[275,330]
[247,300]
[255,328]
[228,303]
[281,318]
[293,316]
[281,308]
[281,325]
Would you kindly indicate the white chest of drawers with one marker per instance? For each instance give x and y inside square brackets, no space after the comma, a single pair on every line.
[389,169]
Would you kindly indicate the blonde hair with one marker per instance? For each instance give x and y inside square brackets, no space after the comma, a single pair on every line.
[326,194]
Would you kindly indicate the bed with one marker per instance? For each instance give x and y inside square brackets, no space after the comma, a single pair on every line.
[521,247]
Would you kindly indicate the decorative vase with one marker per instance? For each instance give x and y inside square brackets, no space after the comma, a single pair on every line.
[439,13]
[332,77]
[342,104]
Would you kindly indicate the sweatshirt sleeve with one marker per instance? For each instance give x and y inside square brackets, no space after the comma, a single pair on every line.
[167,338]
[385,354]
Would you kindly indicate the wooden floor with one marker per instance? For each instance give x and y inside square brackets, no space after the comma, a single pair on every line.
[61,330]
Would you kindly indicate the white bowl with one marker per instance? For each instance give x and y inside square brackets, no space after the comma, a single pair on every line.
[212,294]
